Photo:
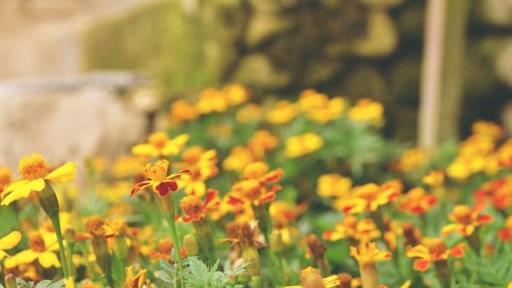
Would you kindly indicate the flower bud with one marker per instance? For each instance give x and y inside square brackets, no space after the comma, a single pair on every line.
[190,245]
[10,281]
[276,241]
[48,201]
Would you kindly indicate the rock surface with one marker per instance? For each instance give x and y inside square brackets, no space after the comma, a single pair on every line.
[66,124]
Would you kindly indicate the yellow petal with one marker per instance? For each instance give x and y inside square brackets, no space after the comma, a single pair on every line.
[23,191]
[9,241]
[13,186]
[24,257]
[144,150]
[64,173]
[48,259]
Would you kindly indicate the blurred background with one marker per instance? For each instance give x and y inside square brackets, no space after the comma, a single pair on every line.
[99,70]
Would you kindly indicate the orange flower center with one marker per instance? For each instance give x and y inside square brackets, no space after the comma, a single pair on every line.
[437,249]
[36,243]
[158,139]
[191,205]
[5,177]
[157,171]
[33,167]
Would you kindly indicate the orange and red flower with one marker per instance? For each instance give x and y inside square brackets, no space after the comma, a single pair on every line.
[432,250]
[466,219]
[157,178]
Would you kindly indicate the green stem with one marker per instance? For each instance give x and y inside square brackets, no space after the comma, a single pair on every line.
[169,206]
[62,253]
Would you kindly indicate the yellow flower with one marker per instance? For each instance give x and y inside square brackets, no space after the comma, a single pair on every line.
[136,280]
[157,178]
[113,192]
[333,185]
[182,111]
[201,165]
[211,100]
[362,230]
[319,108]
[42,247]
[434,178]
[412,159]
[261,142]
[235,94]
[69,282]
[35,175]
[283,112]
[238,158]
[368,197]
[9,241]
[368,111]
[368,254]
[300,145]
[159,144]
[487,129]
[126,166]
[248,113]
[311,278]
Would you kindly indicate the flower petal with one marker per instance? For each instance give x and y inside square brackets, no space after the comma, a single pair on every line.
[48,259]
[23,191]
[9,241]
[64,173]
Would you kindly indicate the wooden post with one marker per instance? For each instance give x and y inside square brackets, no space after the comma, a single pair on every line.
[443,71]
[428,124]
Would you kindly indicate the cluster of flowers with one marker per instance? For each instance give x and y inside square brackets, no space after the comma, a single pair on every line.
[170,202]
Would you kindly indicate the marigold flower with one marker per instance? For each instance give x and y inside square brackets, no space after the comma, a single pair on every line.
[368,253]
[433,250]
[466,220]
[259,184]
[300,145]
[311,278]
[42,247]
[282,213]
[434,178]
[157,178]
[35,175]
[417,201]
[249,113]
[261,142]
[195,209]
[368,197]
[333,185]
[136,280]
[487,129]
[183,111]
[235,94]
[498,192]
[368,111]
[505,233]
[319,108]
[201,165]
[238,158]
[283,112]
[126,166]
[211,100]
[8,242]
[160,145]
[412,159]
[352,228]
